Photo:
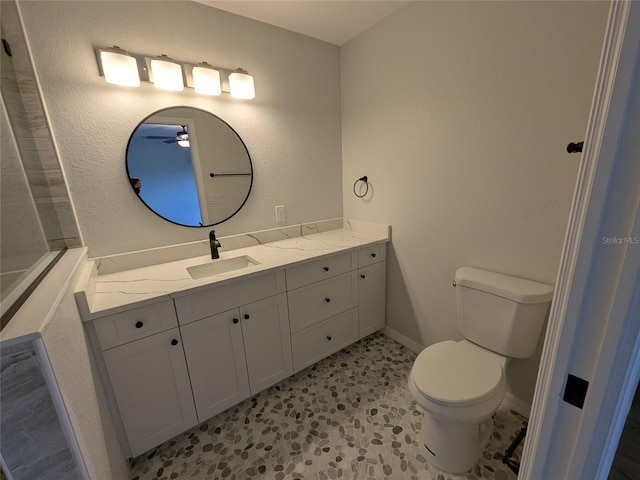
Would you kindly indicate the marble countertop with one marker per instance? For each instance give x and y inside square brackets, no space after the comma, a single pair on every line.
[103,294]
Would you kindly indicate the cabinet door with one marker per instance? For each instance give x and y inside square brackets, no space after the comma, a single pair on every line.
[151,386]
[371,293]
[217,366]
[267,342]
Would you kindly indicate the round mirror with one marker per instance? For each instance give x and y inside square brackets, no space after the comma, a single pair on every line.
[189,166]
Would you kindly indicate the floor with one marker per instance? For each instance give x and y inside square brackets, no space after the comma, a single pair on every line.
[350,416]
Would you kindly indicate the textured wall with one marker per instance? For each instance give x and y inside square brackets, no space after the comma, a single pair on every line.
[81,387]
[291,128]
[460,113]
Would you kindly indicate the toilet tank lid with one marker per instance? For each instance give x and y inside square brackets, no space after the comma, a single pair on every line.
[517,289]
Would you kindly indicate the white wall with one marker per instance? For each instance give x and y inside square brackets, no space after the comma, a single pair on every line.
[79,381]
[460,113]
[291,128]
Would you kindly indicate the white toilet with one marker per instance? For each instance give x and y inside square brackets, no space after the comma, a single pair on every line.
[461,384]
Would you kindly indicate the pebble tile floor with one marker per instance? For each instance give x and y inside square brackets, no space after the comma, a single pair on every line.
[350,416]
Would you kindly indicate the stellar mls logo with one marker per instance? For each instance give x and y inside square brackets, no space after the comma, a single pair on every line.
[621,240]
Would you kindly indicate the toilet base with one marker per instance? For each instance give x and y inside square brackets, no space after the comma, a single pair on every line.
[451,446]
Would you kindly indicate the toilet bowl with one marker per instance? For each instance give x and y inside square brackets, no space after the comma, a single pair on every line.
[459,386]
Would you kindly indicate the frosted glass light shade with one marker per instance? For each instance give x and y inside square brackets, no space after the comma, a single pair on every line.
[167,75]
[241,85]
[120,68]
[206,81]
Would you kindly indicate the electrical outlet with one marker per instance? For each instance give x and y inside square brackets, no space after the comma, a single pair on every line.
[280,216]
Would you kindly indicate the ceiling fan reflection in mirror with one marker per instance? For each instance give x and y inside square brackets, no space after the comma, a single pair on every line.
[181,138]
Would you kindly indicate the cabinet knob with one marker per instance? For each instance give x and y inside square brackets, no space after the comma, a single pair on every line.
[326,269]
[235,320]
[373,255]
[174,342]
[247,316]
[329,337]
[362,276]
[327,299]
[139,324]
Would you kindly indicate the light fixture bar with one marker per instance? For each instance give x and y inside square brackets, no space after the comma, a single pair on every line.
[145,73]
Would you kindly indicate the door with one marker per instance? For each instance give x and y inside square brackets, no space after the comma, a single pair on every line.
[371,296]
[215,356]
[267,342]
[151,385]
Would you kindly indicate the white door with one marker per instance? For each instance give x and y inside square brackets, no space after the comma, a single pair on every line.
[217,366]
[151,385]
[371,297]
[267,341]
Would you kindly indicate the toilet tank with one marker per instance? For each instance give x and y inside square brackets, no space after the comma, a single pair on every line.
[499,312]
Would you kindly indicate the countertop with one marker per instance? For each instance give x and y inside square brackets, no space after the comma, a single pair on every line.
[103,294]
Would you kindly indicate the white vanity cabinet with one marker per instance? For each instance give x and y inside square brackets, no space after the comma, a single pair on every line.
[323,307]
[371,289]
[179,360]
[236,340]
[237,353]
[148,376]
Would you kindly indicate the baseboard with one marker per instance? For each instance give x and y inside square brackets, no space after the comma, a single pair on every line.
[402,340]
[514,403]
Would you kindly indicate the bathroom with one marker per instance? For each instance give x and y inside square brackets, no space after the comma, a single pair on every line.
[458,113]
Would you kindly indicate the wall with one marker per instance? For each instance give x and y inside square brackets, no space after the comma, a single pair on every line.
[79,381]
[460,113]
[291,128]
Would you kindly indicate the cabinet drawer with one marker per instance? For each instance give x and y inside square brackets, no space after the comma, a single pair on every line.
[323,339]
[194,306]
[321,269]
[136,323]
[372,254]
[319,301]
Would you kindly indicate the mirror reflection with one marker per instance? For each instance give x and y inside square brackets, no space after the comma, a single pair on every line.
[189,166]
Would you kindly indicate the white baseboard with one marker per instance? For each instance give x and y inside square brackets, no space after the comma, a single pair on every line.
[403,340]
[514,403]
[510,401]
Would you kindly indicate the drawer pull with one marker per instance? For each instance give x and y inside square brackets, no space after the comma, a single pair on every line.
[247,316]
[362,276]
[373,255]
[326,269]
[139,324]
[327,299]
[235,320]
[329,337]
[174,342]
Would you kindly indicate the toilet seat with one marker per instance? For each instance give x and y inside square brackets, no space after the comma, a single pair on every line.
[456,374]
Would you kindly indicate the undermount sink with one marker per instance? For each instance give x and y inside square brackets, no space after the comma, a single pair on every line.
[215,267]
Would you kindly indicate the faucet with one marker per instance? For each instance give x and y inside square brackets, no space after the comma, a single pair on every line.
[214,244]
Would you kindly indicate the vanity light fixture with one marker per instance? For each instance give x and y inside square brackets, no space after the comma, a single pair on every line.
[241,85]
[119,67]
[206,80]
[167,75]
[129,69]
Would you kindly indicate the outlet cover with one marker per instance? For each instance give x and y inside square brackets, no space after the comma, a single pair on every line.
[280,216]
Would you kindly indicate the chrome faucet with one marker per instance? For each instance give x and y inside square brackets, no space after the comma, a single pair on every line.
[214,244]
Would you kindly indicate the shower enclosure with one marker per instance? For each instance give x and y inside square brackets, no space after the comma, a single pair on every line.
[36,216]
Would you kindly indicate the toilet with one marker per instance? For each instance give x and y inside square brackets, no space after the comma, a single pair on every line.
[460,384]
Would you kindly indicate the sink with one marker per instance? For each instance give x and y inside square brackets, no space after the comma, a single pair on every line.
[215,267]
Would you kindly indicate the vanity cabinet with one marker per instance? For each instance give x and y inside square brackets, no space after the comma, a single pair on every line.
[237,353]
[323,307]
[178,361]
[214,349]
[151,385]
[371,288]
